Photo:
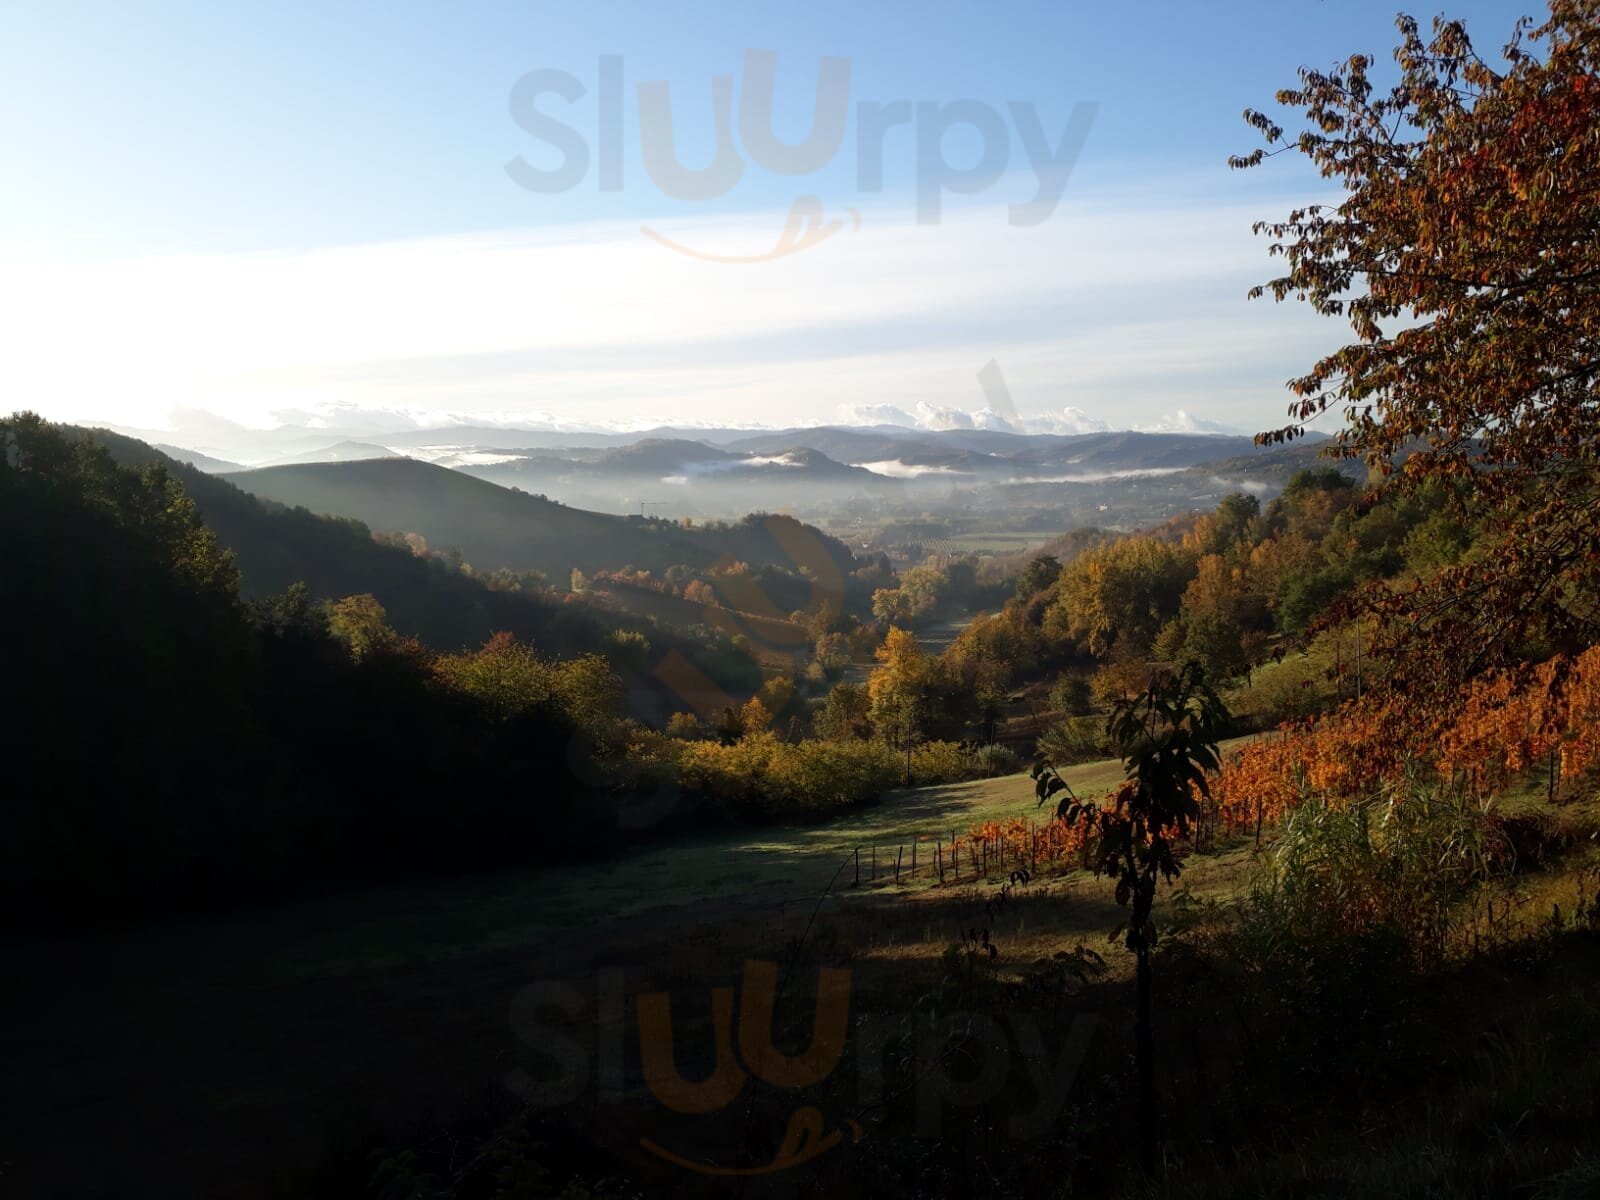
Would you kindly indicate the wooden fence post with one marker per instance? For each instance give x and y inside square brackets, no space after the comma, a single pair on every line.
[874,877]
[858,866]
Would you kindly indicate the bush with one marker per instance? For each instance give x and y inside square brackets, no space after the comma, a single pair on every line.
[992,760]
[1071,695]
[761,775]
[941,762]
[1077,740]
[1405,865]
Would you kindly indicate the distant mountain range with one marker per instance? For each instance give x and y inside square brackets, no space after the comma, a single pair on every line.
[834,473]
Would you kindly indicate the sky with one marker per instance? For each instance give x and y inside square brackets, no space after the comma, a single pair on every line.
[363,214]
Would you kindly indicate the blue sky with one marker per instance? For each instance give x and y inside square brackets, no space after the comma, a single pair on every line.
[279,210]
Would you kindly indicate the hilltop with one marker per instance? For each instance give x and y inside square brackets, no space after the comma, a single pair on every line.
[494,526]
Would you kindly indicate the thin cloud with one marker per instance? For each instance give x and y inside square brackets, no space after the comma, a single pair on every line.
[1101,310]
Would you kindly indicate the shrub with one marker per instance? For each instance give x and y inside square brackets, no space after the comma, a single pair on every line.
[941,762]
[993,759]
[1071,695]
[760,774]
[1077,740]
[1405,864]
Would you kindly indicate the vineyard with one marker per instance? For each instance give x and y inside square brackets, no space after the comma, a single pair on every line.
[1508,723]
[1545,718]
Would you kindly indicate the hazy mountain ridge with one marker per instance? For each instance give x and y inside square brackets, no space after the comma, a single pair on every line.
[218,438]
[828,472]
[495,526]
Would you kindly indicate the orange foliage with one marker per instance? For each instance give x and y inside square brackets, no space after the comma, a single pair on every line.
[1508,722]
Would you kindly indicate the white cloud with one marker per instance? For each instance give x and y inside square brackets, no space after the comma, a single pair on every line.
[1183,422]
[939,416]
[874,414]
[1068,421]
[894,468]
[1104,308]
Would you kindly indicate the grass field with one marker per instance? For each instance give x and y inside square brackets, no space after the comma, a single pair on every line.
[419,923]
[997,542]
[257,1034]
[268,1041]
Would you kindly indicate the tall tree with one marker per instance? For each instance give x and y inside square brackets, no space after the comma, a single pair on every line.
[1465,255]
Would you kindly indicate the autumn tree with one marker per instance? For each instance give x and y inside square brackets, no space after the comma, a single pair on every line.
[1219,620]
[1120,594]
[361,623]
[754,718]
[1465,256]
[845,713]
[898,688]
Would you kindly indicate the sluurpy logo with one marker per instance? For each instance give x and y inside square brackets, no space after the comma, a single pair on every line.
[931,123]
[961,1059]
[806,1136]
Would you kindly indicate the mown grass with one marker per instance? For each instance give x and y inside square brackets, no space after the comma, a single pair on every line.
[446,918]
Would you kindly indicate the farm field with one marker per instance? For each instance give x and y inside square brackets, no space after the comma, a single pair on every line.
[423,923]
[998,541]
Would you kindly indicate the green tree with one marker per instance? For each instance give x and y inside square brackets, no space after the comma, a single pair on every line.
[1234,514]
[1038,575]
[506,676]
[845,713]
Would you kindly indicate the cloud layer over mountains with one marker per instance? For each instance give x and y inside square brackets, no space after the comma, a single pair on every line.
[1068,420]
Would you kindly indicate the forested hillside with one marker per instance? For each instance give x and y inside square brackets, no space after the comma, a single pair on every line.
[427,597]
[187,746]
[497,527]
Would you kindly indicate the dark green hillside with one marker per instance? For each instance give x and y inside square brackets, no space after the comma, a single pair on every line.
[211,466]
[1280,464]
[275,547]
[496,527]
[660,455]
[345,451]
[185,748]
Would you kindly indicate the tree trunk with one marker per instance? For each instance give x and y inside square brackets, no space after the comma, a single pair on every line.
[1145,1050]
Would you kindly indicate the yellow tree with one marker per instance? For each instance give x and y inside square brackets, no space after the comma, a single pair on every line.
[1120,593]
[361,623]
[897,687]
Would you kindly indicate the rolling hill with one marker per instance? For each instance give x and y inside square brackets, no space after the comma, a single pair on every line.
[275,546]
[496,526]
